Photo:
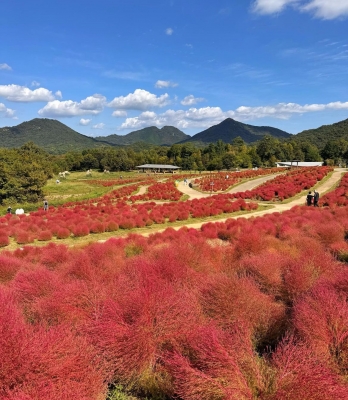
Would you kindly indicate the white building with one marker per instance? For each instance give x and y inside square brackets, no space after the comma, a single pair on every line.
[300,164]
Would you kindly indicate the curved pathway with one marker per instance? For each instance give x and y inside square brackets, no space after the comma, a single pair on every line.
[322,188]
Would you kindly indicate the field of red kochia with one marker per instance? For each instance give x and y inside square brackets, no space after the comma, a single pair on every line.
[286,185]
[88,218]
[224,180]
[245,309]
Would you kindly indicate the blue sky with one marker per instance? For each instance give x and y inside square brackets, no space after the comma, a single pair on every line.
[117,66]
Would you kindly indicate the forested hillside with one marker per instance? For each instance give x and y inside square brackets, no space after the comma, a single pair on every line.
[51,135]
[167,135]
[320,136]
[229,129]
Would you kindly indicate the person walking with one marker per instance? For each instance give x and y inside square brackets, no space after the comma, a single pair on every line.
[309,198]
[9,210]
[316,199]
[45,205]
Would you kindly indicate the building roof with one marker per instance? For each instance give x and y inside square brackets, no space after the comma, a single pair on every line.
[299,163]
[158,166]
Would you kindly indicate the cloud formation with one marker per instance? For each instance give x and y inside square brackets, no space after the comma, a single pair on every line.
[6,112]
[164,84]
[23,94]
[99,126]
[5,66]
[190,100]
[84,122]
[169,31]
[207,116]
[35,83]
[139,100]
[324,9]
[91,105]
[119,114]
[327,9]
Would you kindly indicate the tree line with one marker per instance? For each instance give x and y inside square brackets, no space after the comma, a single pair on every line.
[215,156]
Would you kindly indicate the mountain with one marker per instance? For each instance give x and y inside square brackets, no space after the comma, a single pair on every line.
[320,136]
[165,136]
[229,129]
[49,134]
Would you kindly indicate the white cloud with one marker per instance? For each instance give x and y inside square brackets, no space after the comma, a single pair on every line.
[327,9]
[169,31]
[192,118]
[6,112]
[92,105]
[324,9]
[119,114]
[165,84]
[126,75]
[5,66]
[99,126]
[207,116]
[24,94]
[58,94]
[85,122]
[271,6]
[35,83]
[190,100]
[285,110]
[139,100]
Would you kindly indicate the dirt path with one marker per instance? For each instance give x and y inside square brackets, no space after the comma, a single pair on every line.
[142,190]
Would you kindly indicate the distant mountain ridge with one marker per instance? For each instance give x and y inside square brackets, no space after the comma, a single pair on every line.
[229,129]
[165,136]
[57,138]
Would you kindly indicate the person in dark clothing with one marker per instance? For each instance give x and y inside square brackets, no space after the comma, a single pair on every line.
[9,210]
[309,199]
[45,205]
[316,199]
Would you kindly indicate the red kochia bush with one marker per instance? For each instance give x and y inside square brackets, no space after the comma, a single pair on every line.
[300,375]
[45,235]
[133,332]
[63,233]
[4,240]
[321,319]
[216,365]
[13,344]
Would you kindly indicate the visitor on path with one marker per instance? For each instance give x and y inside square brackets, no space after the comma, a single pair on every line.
[309,199]
[45,205]
[316,199]
[9,210]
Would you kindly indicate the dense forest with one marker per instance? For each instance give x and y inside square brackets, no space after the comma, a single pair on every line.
[25,170]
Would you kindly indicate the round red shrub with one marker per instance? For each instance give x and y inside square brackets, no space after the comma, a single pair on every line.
[63,233]
[45,235]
